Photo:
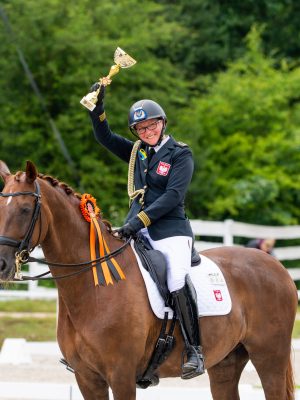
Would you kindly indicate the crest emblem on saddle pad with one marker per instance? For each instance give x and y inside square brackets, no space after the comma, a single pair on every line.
[163,168]
[218,295]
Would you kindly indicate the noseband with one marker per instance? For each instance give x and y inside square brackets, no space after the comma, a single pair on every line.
[24,246]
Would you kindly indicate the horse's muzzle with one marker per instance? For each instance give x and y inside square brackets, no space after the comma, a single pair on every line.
[7,265]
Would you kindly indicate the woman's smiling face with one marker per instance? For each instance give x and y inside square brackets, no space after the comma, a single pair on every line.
[149,131]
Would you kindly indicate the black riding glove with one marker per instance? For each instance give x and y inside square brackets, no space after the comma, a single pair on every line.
[99,109]
[126,231]
[101,93]
[130,228]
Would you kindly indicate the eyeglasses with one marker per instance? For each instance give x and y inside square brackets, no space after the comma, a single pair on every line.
[151,127]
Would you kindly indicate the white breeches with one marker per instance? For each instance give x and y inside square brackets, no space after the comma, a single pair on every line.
[177,250]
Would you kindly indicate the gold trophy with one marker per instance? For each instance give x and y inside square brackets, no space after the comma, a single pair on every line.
[122,60]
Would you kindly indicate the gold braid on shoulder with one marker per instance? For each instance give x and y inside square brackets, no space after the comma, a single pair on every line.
[132,193]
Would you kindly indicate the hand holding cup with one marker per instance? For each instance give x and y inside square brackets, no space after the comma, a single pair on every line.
[122,60]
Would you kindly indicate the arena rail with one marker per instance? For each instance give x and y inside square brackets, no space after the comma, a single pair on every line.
[229,229]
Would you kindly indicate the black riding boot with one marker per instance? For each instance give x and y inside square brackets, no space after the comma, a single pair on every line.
[185,302]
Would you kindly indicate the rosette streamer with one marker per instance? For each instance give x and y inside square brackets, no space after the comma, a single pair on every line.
[104,271]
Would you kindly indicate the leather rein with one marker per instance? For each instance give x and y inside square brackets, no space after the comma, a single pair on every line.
[22,255]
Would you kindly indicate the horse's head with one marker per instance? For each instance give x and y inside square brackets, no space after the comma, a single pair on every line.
[19,211]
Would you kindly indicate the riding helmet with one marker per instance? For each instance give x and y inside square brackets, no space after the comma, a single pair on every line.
[143,110]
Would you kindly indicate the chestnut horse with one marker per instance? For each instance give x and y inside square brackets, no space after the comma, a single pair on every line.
[107,333]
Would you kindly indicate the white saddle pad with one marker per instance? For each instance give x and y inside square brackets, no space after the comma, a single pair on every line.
[212,293]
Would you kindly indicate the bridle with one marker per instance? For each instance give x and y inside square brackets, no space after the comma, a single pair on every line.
[24,247]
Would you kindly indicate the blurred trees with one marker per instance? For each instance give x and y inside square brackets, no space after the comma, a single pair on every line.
[245,135]
[215,31]
[68,48]
[235,101]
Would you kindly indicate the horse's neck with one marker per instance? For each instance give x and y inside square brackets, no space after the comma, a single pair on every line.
[67,242]
[66,227]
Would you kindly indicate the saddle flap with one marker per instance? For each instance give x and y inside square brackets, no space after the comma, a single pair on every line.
[155,263]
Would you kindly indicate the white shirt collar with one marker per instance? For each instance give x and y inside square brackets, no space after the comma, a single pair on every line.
[156,148]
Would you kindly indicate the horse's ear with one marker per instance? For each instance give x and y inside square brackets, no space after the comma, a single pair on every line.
[4,171]
[31,172]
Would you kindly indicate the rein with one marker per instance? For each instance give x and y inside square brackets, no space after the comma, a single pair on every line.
[87,264]
[24,246]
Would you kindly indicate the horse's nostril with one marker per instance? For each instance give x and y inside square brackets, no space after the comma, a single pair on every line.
[3,264]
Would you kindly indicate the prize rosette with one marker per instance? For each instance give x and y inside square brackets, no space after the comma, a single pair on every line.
[88,207]
[104,266]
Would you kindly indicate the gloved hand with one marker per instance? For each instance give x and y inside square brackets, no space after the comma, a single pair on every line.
[101,93]
[99,109]
[126,231]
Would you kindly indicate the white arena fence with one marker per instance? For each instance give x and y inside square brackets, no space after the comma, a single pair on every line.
[229,229]
[226,231]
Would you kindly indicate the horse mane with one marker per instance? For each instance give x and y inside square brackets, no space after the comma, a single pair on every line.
[55,182]
[70,191]
[66,188]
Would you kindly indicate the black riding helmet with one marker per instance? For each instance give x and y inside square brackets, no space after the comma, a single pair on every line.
[143,110]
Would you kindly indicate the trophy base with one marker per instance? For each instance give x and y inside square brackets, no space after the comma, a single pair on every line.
[87,103]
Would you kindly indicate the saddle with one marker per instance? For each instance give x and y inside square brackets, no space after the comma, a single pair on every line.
[155,263]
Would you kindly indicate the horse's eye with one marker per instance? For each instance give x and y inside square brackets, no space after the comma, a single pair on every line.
[25,210]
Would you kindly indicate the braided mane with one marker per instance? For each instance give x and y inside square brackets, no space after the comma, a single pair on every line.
[55,182]
[66,188]
[69,191]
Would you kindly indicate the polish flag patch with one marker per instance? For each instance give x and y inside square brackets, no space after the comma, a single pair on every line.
[218,295]
[163,168]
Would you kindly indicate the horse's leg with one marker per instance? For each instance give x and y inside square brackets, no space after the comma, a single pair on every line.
[268,343]
[92,386]
[272,366]
[122,381]
[124,390]
[224,377]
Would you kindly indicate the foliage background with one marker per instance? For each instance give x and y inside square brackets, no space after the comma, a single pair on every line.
[227,73]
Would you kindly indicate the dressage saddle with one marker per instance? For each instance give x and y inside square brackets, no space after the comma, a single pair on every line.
[155,263]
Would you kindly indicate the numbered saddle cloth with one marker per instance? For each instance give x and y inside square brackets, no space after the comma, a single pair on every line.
[212,292]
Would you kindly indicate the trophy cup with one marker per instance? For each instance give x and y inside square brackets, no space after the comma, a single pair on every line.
[122,60]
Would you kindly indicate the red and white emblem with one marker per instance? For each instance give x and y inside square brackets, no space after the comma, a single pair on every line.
[163,168]
[218,295]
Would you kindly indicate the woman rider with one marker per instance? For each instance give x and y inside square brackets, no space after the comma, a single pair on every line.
[162,169]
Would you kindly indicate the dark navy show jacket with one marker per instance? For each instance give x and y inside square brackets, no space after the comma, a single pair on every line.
[165,179]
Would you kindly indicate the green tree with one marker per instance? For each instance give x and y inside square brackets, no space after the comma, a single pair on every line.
[245,136]
[215,31]
[67,49]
